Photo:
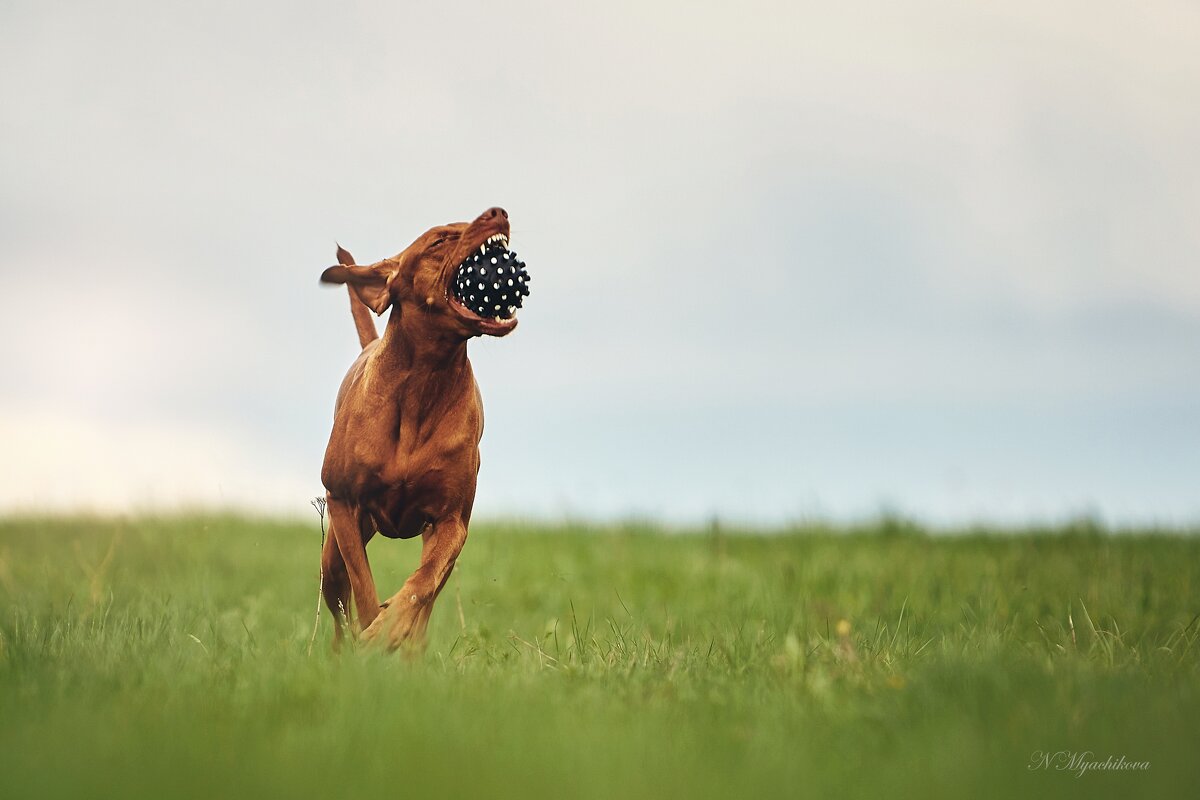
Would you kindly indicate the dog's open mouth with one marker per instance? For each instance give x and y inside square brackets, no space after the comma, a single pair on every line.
[492,282]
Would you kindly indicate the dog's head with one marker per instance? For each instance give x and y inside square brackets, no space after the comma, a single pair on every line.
[460,278]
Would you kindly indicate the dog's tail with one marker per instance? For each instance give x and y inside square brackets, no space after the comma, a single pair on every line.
[362,315]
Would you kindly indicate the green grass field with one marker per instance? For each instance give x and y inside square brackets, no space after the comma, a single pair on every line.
[168,658]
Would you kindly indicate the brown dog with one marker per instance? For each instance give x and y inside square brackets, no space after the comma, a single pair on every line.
[404,453]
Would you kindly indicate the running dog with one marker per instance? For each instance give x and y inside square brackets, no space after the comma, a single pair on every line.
[403,456]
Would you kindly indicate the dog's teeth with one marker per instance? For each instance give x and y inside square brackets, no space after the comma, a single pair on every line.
[482,249]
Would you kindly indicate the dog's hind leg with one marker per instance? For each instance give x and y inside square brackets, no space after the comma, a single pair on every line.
[335,587]
[352,544]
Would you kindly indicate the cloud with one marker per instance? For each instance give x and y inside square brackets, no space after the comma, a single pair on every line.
[74,462]
[938,207]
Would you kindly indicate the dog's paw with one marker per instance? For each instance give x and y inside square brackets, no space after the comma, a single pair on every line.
[374,629]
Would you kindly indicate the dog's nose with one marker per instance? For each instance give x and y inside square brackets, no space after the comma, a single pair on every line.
[493,212]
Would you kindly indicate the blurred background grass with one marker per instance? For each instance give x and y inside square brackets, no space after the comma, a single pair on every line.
[152,657]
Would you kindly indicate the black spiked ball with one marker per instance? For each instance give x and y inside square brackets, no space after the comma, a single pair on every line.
[492,283]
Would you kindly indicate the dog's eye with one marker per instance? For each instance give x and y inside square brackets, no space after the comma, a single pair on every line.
[436,242]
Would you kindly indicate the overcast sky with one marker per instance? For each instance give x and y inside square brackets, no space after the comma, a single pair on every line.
[789,260]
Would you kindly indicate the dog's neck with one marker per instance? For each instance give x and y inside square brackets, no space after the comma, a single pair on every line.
[419,357]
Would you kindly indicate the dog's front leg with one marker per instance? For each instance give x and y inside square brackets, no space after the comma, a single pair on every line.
[407,612]
[335,586]
[352,544]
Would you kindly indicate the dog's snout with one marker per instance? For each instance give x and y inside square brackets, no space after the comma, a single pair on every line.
[493,212]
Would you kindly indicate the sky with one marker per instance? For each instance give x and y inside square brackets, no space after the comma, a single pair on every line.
[791,261]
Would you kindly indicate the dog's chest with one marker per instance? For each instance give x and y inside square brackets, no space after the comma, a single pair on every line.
[422,486]
[396,515]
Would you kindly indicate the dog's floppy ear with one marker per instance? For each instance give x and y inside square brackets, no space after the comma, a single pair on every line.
[372,284]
